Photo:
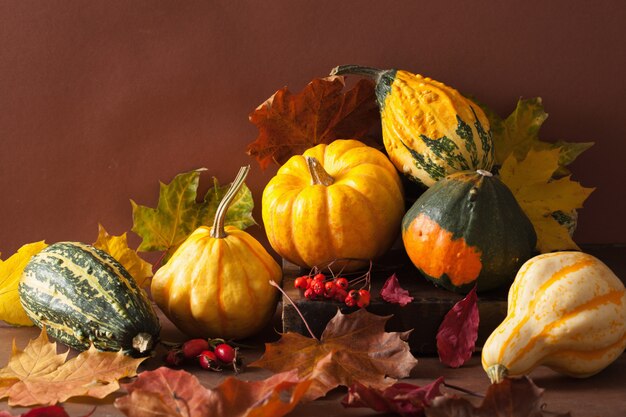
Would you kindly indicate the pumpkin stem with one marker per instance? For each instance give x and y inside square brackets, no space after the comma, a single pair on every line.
[497,373]
[319,176]
[217,231]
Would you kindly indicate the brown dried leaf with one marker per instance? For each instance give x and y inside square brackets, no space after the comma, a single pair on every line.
[518,397]
[291,123]
[167,392]
[353,348]
[38,375]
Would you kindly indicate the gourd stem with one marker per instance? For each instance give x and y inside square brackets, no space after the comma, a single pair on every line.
[319,176]
[368,72]
[497,373]
[143,342]
[217,231]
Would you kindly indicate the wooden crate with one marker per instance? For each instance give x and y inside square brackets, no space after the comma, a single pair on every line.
[423,315]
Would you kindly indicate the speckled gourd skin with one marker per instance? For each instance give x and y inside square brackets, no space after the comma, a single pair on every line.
[567,311]
[358,216]
[429,129]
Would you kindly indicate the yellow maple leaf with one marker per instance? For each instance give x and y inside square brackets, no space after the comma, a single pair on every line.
[11,270]
[117,247]
[38,375]
[539,195]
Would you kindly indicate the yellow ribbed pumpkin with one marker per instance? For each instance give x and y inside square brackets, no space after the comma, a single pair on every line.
[342,200]
[216,284]
[567,311]
[429,129]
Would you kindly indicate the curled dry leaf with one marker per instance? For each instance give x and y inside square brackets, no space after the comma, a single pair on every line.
[38,375]
[117,247]
[457,334]
[392,292]
[291,123]
[353,347]
[518,397]
[167,392]
[406,400]
[11,309]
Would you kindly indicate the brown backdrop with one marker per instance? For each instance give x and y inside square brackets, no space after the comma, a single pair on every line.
[101,100]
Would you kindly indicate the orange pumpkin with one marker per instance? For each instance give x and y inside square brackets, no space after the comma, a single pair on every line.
[342,200]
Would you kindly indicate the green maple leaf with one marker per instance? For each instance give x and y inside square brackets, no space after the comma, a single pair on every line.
[519,133]
[178,213]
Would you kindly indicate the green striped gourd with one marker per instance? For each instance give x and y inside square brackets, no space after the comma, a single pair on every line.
[82,295]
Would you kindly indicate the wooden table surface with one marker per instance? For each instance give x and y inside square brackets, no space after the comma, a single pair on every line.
[603,395]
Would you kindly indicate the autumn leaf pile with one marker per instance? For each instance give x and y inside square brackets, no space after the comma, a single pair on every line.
[354,351]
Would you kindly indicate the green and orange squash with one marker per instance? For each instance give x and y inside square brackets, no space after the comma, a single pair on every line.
[468,229]
[429,129]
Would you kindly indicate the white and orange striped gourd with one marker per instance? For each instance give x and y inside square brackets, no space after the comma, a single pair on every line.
[567,311]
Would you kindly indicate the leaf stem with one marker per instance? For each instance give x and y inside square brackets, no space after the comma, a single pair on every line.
[464,390]
[274,284]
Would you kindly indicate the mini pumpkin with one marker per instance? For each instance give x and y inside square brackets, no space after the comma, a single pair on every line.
[468,229]
[216,284]
[342,200]
[429,129]
[567,311]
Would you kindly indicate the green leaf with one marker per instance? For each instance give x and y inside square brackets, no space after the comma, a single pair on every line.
[178,213]
[519,133]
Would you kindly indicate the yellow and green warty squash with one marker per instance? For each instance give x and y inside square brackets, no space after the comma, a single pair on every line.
[567,311]
[342,200]
[468,229]
[216,284]
[429,129]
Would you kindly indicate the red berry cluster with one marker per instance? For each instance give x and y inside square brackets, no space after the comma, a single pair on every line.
[211,354]
[317,286]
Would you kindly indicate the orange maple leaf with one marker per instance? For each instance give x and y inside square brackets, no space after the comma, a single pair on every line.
[290,123]
[353,348]
[38,375]
[177,393]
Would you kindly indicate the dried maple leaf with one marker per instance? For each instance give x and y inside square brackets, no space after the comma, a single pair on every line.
[167,392]
[530,180]
[353,347]
[509,398]
[291,123]
[178,214]
[117,247]
[11,309]
[519,133]
[392,292]
[38,375]
[401,398]
[457,334]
